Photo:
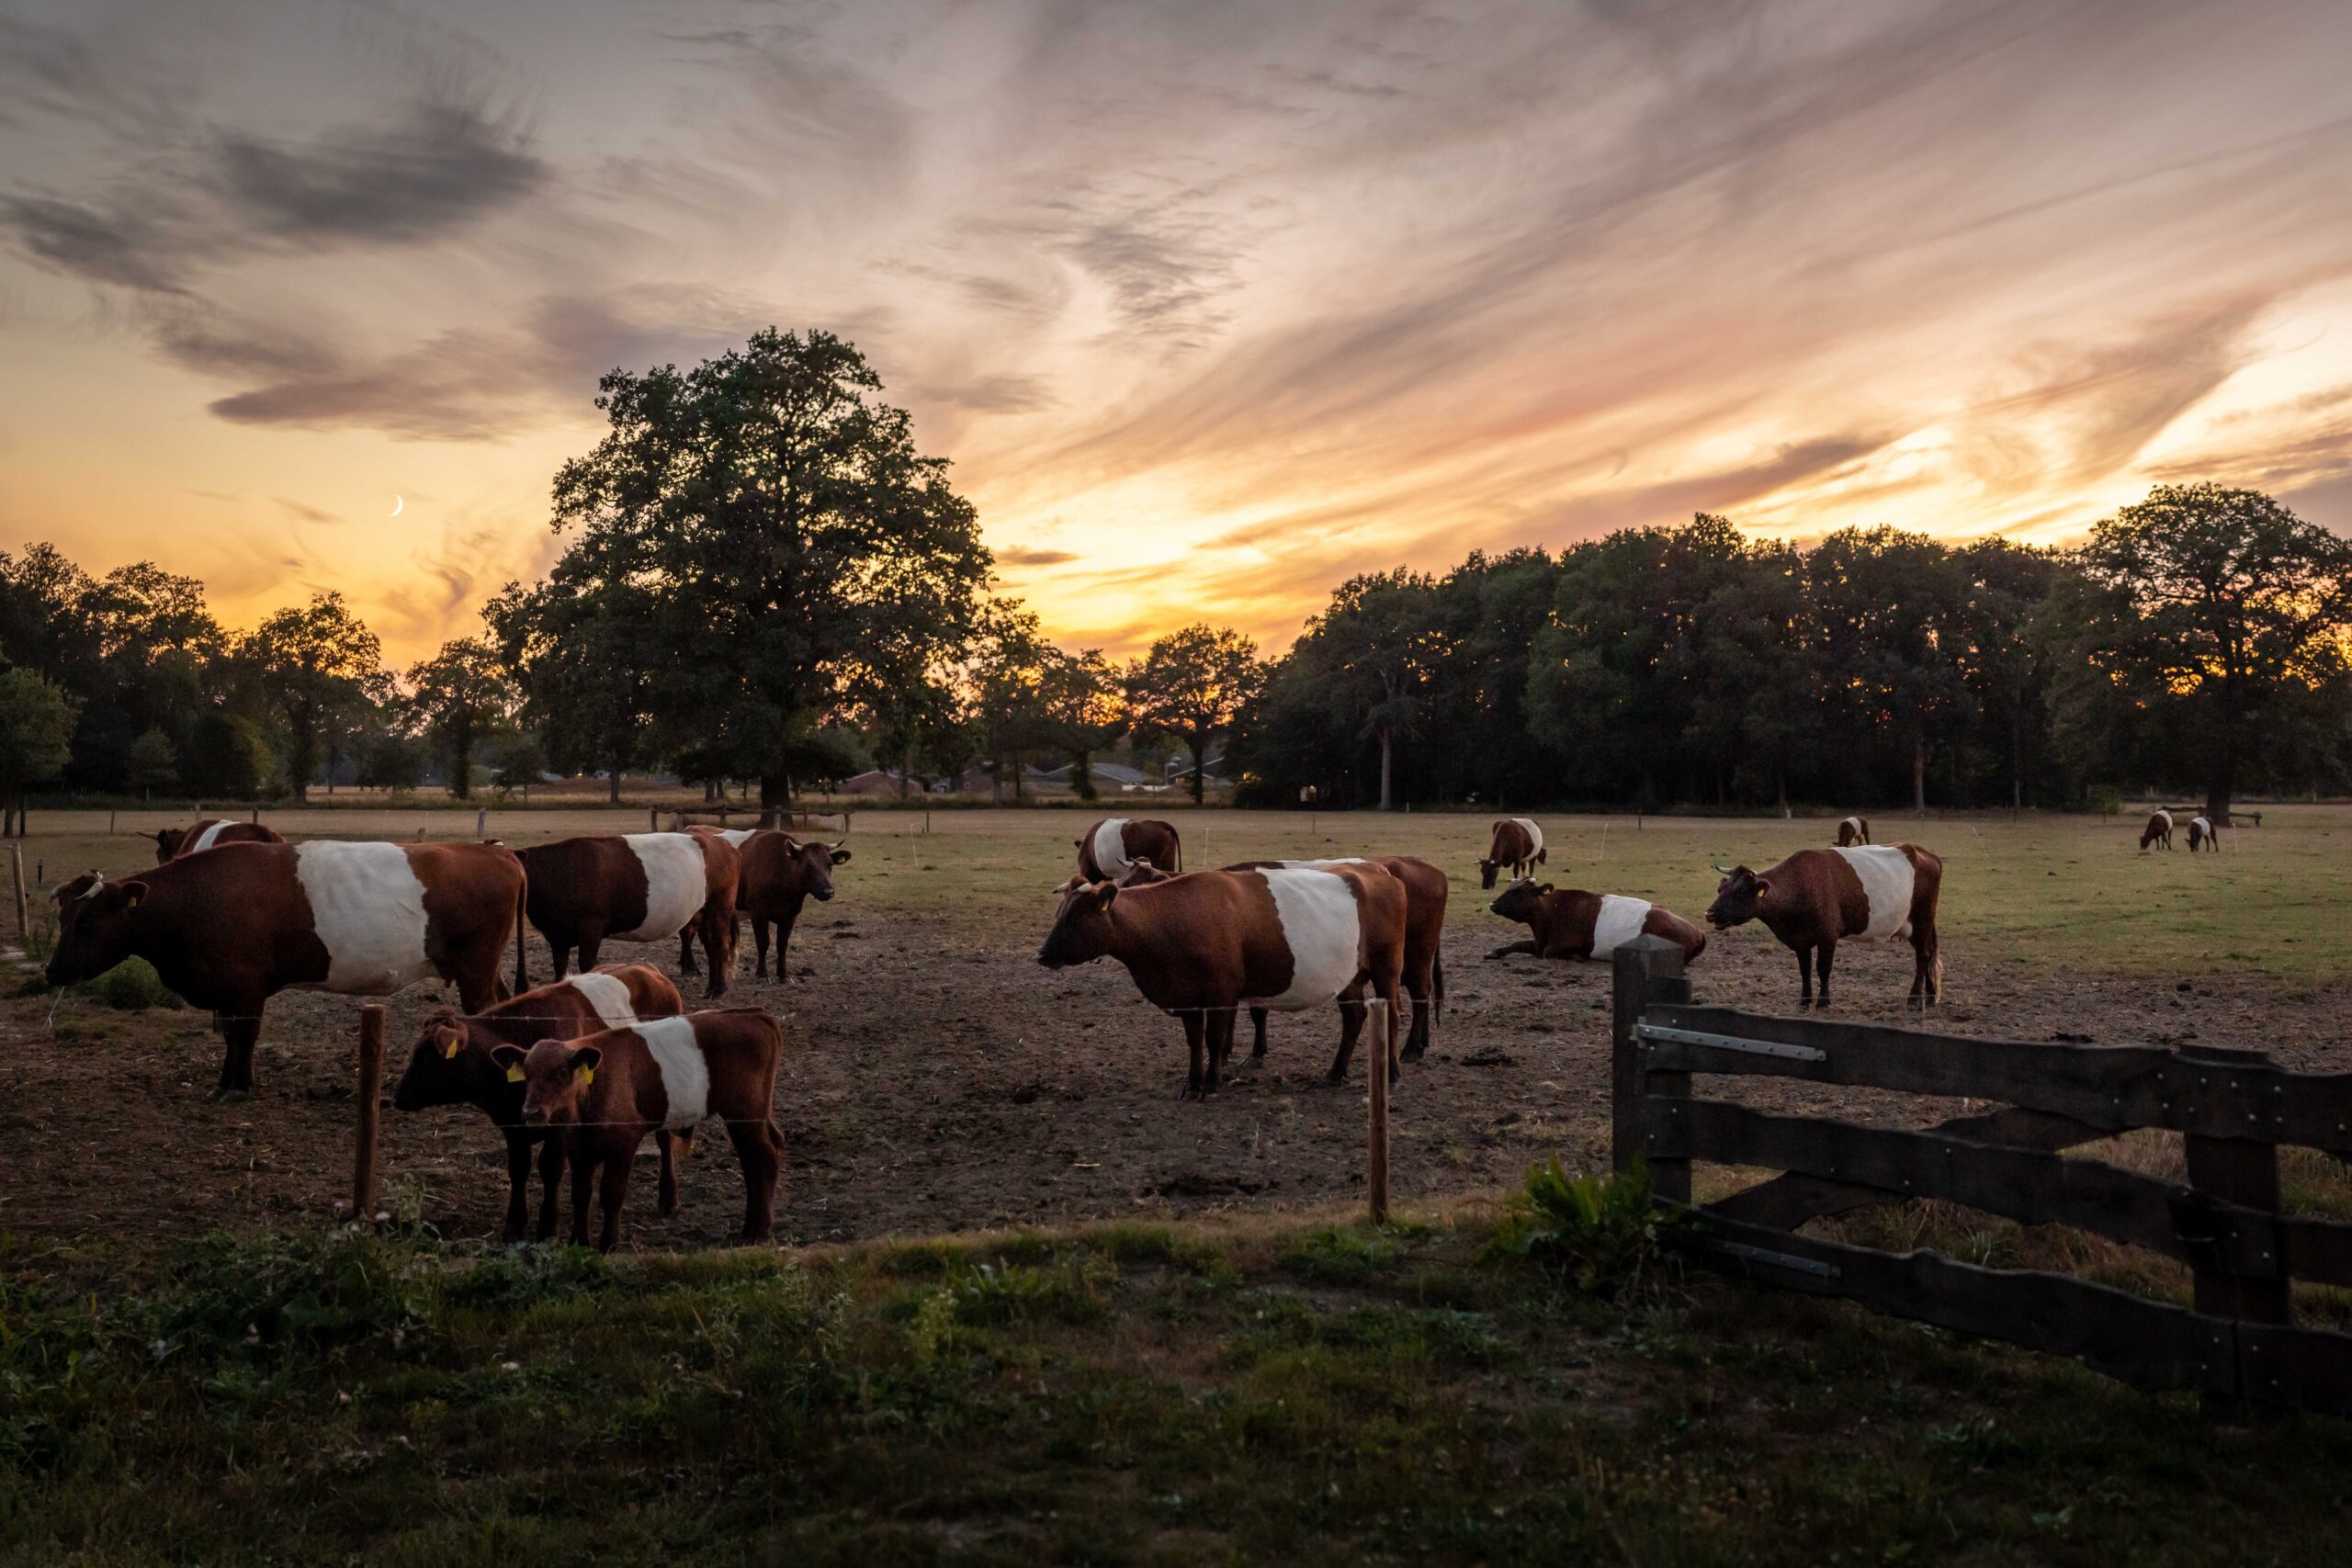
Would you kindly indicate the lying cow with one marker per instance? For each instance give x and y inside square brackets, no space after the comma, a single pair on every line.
[1855,829]
[1576,924]
[451,1065]
[2202,835]
[1205,945]
[587,891]
[1811,899]
[1518,844]
[170,843]
[1109,848]
[603,1093]
[231,927]
[2157,831]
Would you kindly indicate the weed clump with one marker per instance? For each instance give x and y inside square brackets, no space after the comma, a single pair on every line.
[1601,1234]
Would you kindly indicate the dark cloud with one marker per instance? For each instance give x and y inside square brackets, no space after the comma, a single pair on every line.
[439,167]
[119,247]
[993,394]
[307,512]
[1018,556]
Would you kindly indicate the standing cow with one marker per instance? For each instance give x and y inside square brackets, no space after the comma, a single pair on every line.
[1811,900]
[1107,850]
[231,927]
[1205,945]
[1518,844]
[1854,829]
[2202,835]
[602,1094]
[451,1065]
[587,891]
[2157,831]
[170,843]
[780,875]
[1576,924]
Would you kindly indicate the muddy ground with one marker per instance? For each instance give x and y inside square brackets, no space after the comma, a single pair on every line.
[937,1078]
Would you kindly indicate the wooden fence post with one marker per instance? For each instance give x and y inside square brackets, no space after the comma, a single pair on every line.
[16,871]
[653,820]
[371,1085]
[2241,1171]
[1375,1160]
[1645,970]
[481,821]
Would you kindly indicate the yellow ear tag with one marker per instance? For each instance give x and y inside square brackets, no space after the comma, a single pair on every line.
[514,1074]
[449,1051]
[583,1076]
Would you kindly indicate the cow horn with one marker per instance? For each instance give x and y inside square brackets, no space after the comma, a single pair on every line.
[1722,870]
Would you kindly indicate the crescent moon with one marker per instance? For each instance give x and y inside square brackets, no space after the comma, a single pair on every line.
[398,502]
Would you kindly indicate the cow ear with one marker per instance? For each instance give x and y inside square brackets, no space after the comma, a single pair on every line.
[1762,887]
[508,1055]
[584,1061]
[1546,888]
[448,1037]
[1106,893]
[841,856]
[132,892]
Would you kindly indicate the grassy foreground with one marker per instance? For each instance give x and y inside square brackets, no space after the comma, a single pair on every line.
[1125,1393]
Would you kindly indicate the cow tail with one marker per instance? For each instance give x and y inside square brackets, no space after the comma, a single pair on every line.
[1180,853]
[1437,985]
[522,902]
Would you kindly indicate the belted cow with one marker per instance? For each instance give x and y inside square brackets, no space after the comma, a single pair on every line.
[451,1065]
[1855,829]
[202,834]
[231,927]
[1206,944]
[1572,923]
[2157,831]
[1518,845]
[1816,897]
[2202,835]
[1106,849]
[587,891]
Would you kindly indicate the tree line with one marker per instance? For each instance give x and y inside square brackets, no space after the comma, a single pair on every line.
[762,579]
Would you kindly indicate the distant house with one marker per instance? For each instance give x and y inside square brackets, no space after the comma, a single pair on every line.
[1106,775]
[876,780]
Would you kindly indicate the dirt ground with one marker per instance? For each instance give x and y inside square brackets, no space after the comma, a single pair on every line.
[937,1078]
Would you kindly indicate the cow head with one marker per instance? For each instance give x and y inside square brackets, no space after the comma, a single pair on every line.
[1141,872]
[445,1067]
[1521,901]
[1739,898]
[1486,870]
[94,928]
[555,1076]
[1081,930]
[167,843]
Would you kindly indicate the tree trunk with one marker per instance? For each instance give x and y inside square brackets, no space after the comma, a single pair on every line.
[1919,775]
[1081,774]
[1200,745]
[775,796]
[1387,758]
[906,768]
[612,791]
[2017,768]
[996,783]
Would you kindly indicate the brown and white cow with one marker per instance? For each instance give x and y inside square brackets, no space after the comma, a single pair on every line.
[451,1065]
[1206,944]
[2202,835]
[1572,923]
[205,831]
[1106,849]
[1816,897]
[2157,831]
[1854,829]
[604,1092]
[231,927]
[1518,844]
[587,891]
[780,875]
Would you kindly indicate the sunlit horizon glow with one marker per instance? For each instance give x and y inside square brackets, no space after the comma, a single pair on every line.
[1211,305]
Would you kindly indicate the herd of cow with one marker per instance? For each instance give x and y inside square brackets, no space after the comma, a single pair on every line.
[579,1071]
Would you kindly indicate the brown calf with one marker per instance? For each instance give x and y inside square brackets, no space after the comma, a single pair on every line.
[1855,829]
[2203,835]
[1577,924]
[1885,892]
[1208,943]
[634,888]
[1518,845]
[451,1065]
[1111,845]
[604,1092]
[2157,831]
[202,834]
[780,875]
[231,927]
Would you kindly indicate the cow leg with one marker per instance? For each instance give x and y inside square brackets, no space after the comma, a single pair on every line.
[615,1192]
[1805,977]
[760,945]
[1822,956]
[583,1193]
[1195,1028]
[590,947]
[1506,949]
[1220,1041]
[518,1184]
[1351,1025]
[550,1173]
[238,1032]
[686,946]
[1391,1000]
[1417,1041]
[760,1146]
[666,1200]
[1257,1035]
[717,947]
[481,986]
[1928,971]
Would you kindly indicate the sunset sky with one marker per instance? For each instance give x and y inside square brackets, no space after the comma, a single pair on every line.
[1212,304]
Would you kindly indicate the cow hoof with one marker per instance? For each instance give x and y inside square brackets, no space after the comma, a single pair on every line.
[1415,1052]
[231,1095]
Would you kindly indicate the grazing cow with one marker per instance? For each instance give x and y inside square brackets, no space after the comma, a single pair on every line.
[587,891]
[1854,829]
[2202,835]
[1577,924]
[2157,831]
[1518,844]
[1885,892]
[232,927]
[604,1092]
[451,1065]
[1113,844]
[780,875]
[172,843]
[1206,944]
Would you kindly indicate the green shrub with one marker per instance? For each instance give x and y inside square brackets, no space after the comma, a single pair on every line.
[2104,799]
[132,986]
[1601,1233]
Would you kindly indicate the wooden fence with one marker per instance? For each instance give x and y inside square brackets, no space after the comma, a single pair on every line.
[745,817]
[2232,1110]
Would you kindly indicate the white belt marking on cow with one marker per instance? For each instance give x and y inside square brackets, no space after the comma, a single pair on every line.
[1535,837]
[676,884]
[207,838]
[736,836]
[367,907]
[1887,878]
[2166,818]
[608,996]
[1853,823]
[685,1075]
[1324,929]
[1619,923]
[1111,849]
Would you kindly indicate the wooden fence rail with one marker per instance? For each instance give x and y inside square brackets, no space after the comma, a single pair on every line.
[2232,1110]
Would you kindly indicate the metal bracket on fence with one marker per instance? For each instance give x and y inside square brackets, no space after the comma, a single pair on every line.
[1746,1253]
[1660,1033]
